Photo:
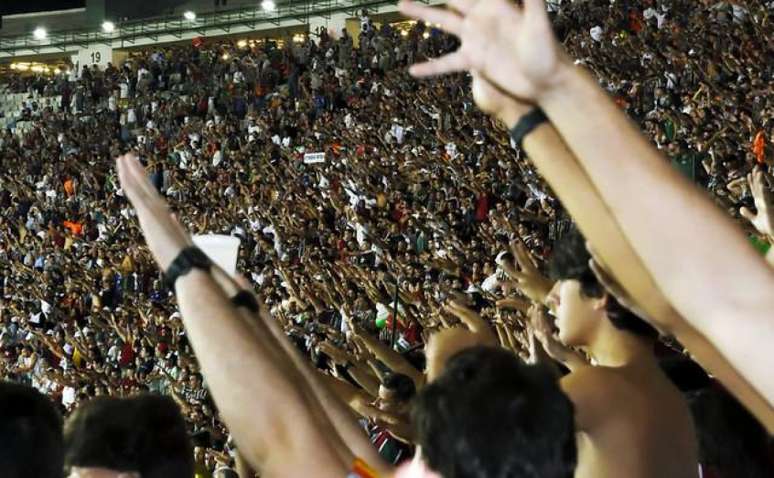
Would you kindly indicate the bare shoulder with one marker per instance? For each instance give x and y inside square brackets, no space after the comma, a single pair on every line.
[596,392]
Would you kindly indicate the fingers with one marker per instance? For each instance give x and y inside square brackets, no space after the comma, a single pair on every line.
[512,304]
[463,6]
[600,273]
[132,176]
[458,309]
[449,21]
[747,214]
[523,257]
[451,63]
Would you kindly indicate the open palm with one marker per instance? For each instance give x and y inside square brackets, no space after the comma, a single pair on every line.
[763,220]
[512,46]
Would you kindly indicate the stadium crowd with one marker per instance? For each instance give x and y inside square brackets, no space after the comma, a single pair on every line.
[421,219]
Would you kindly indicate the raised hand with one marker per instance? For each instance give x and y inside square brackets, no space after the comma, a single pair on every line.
[764,203]
[540,324]
[511,45]
[494,101]
[472,321]
[527,277]
[163,232]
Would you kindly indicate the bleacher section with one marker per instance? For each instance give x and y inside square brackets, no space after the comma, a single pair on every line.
[12,106]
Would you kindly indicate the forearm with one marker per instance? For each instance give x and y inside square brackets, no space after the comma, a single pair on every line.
[588,119]
[337,412]
[581,199]
[392,359]
[365,378]
[706,254]
[225,346]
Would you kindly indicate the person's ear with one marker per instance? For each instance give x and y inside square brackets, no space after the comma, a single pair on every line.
[601,303]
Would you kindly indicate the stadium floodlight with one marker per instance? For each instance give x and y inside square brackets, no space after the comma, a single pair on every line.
[108,26]
[268,5]
[40,33]
[189,15]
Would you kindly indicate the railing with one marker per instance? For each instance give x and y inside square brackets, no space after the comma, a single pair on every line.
[127,33]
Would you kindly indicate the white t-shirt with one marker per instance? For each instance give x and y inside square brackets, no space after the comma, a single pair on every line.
[68,396]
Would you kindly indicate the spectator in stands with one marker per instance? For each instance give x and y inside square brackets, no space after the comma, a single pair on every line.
[417,193]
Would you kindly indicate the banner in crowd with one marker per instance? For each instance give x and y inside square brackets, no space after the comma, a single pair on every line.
[312,158]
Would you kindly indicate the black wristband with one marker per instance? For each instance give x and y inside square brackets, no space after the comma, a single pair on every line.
[245,299]
[189,258]
[526,125]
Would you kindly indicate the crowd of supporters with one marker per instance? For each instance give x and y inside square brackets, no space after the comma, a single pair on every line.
[419,216]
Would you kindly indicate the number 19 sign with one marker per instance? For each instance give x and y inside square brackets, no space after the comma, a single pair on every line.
[95,55]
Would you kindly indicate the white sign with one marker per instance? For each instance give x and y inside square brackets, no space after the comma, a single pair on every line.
[223,250]
[311,158]
[95,55]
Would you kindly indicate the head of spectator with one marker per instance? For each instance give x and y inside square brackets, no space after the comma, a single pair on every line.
[585,310]
[526,428]
[144,436]
[31,434]
[396,392]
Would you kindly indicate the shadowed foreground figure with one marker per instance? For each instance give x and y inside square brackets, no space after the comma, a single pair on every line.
[30,434]
[142,437]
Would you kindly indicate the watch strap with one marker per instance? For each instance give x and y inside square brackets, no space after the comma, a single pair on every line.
[189,258]
[526,125]
[245,299]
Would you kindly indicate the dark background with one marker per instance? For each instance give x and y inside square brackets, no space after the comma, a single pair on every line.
[11,7]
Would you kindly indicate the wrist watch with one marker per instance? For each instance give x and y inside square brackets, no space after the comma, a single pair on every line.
[189,258]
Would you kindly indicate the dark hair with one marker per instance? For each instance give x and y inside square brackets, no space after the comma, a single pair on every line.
[401,385]
[526,429]
[30,433]
[570,261]
[145,433]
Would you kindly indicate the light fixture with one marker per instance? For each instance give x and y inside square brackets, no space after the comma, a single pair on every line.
[268,5]
[189,15]
[404,33]
[108,26]
[425,35]
[40,33]
[242,43]
[225,56]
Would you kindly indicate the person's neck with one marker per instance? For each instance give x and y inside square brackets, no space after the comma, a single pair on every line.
[611,347]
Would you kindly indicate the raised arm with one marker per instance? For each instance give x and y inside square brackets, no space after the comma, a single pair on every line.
[395,361]
[696,254]
[292,436]
[564,174]
[710,281]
